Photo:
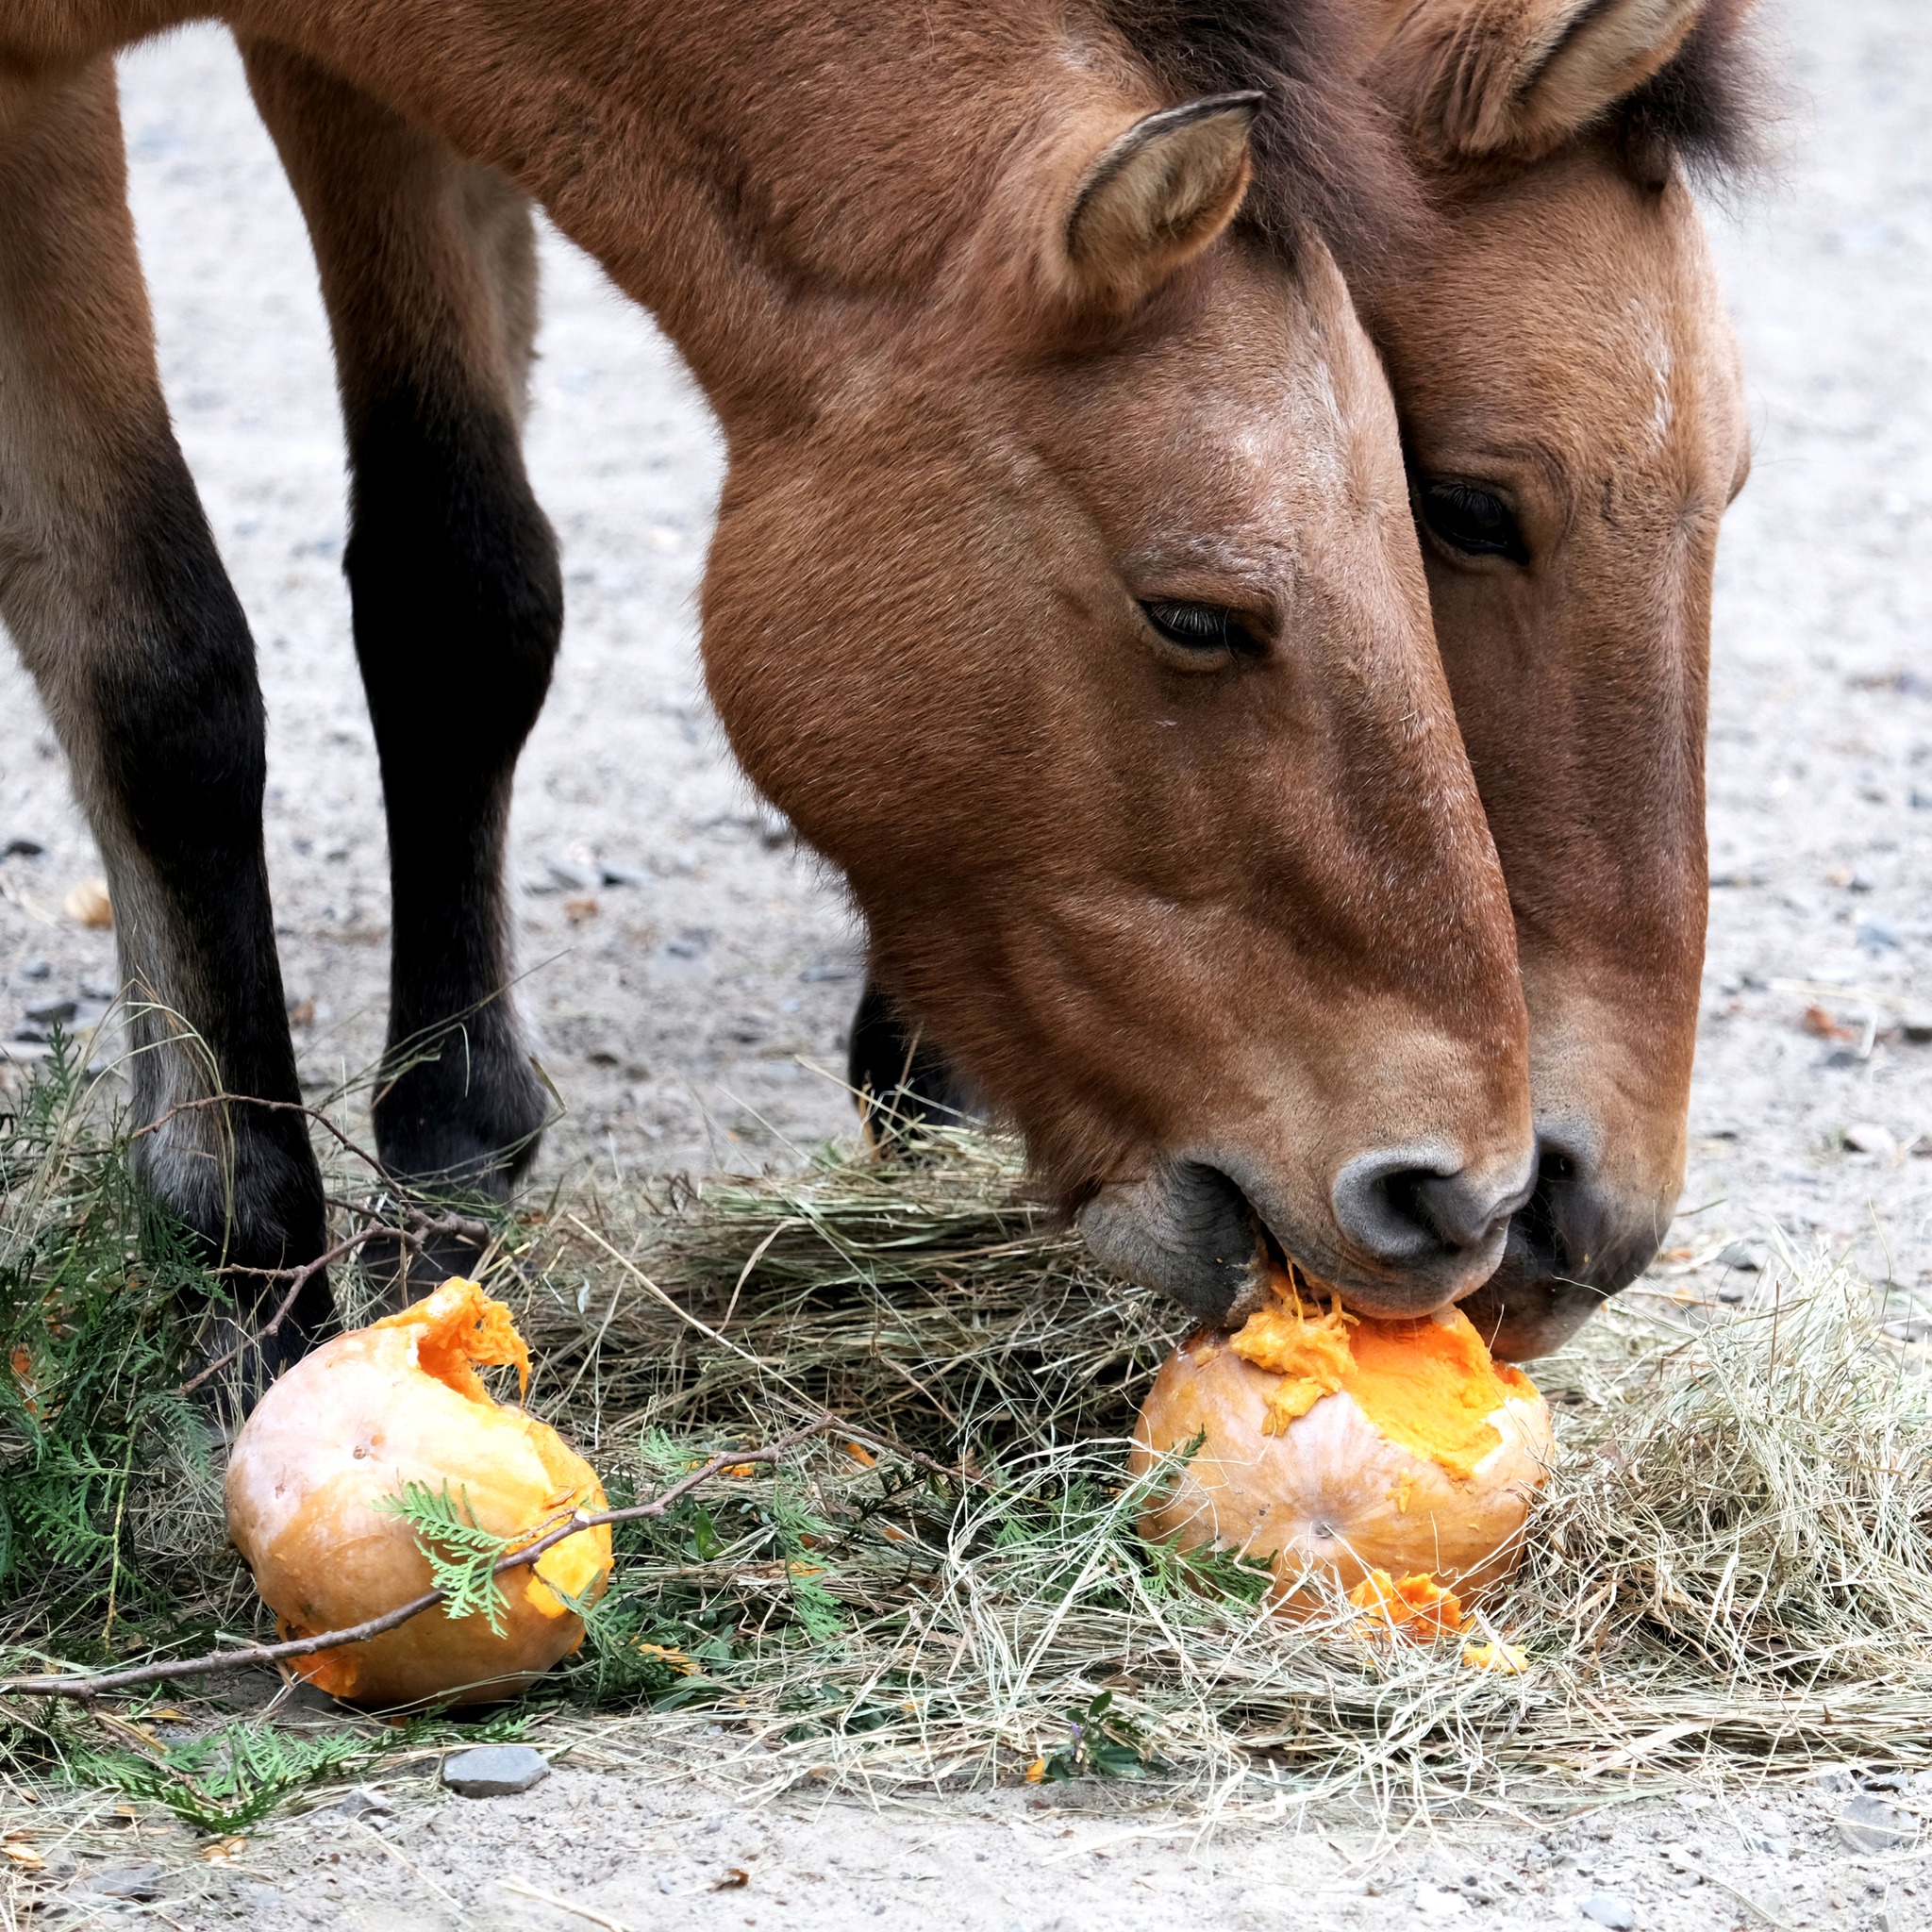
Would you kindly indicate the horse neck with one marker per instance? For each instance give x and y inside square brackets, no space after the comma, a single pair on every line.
[768,179]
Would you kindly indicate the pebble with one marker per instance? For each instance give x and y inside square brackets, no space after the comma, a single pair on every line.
[1740,1256]
[494,1771]
[1917,1028]
[139,1882]
[21,846]
[89,905]
[360,1802]
[1867,1137]
[1869,1824]
[1607,1909]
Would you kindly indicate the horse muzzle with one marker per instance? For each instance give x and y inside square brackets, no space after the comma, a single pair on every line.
[1575,1242]
[1409,1231]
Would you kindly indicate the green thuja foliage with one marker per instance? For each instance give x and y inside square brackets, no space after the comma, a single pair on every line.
[226,1781]
[462,1556]
[99,1294]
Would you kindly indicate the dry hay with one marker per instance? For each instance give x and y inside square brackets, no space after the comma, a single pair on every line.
[1730,1575]
[1730,1570]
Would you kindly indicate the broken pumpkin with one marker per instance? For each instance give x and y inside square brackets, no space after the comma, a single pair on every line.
[320,1465]
[1341,1450]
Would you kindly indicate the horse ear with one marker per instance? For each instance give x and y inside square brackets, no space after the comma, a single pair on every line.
[1476,79]
[1156,196]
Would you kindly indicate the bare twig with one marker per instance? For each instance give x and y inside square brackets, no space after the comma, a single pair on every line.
[102,1682]
[299,1279]
[226,1099]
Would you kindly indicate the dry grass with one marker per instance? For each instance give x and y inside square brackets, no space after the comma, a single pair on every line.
[1730,1570]
[1730,1575]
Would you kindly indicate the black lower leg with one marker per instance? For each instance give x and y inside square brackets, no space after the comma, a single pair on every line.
[902,1082]
[166,731]
[458,606]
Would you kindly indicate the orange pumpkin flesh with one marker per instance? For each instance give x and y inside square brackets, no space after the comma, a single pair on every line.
[1395,1460]
[340,1433]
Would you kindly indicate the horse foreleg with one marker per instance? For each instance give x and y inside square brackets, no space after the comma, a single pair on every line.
[113,592]
[900,1080]
[428,270]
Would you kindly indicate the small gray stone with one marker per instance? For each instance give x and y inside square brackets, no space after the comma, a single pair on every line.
[1867,1137]
[35,969]
[1869,1824]
[1917,1028]
[358,1801]
[494,1771]
[1740,1256]
[21,846]
[1619,1914]
[137,1882]
[54,1012]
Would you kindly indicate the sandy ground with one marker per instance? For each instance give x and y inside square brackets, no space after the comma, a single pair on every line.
[674,1016]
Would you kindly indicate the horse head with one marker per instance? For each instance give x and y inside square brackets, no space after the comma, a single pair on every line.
[1573,422]
[1073,610]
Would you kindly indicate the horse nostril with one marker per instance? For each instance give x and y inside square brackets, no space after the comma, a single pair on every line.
[1573,1225]
[1403,1207]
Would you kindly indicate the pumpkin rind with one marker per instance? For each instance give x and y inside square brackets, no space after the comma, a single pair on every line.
[1330,1491]
[340,1433]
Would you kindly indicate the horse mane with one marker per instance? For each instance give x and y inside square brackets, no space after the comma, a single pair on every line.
[1328,158]
[1713,105]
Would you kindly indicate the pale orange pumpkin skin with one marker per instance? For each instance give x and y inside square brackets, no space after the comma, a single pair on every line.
[1332,1493]
[341,1431]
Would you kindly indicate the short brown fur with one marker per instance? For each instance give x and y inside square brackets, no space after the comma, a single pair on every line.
[1216,928]
[1557,336]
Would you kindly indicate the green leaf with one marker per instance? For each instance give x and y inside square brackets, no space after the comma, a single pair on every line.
[705,1538]
[462,1557]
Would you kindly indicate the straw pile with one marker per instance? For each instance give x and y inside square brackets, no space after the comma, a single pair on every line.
[1730,1570]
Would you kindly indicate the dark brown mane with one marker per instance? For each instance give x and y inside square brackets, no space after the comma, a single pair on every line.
[1713,105]
[1327,156]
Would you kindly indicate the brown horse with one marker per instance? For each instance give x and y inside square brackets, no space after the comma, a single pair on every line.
[1064,591]
[1574,419]
[1574,424]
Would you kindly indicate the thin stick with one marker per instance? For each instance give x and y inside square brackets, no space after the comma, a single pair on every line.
[299,1279]
[106,1681]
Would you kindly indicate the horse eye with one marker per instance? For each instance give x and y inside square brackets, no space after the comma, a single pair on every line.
[1472,520]
[1204,627]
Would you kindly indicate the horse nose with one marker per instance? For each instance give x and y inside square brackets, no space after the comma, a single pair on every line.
[1418,1209]
[1580,1223]
[1576,1240]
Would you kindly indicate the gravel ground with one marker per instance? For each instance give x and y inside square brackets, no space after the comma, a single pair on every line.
[616,1850]
[674,1012]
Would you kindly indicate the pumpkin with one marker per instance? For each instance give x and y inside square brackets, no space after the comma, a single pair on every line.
[335,1440]
[1392,1460]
